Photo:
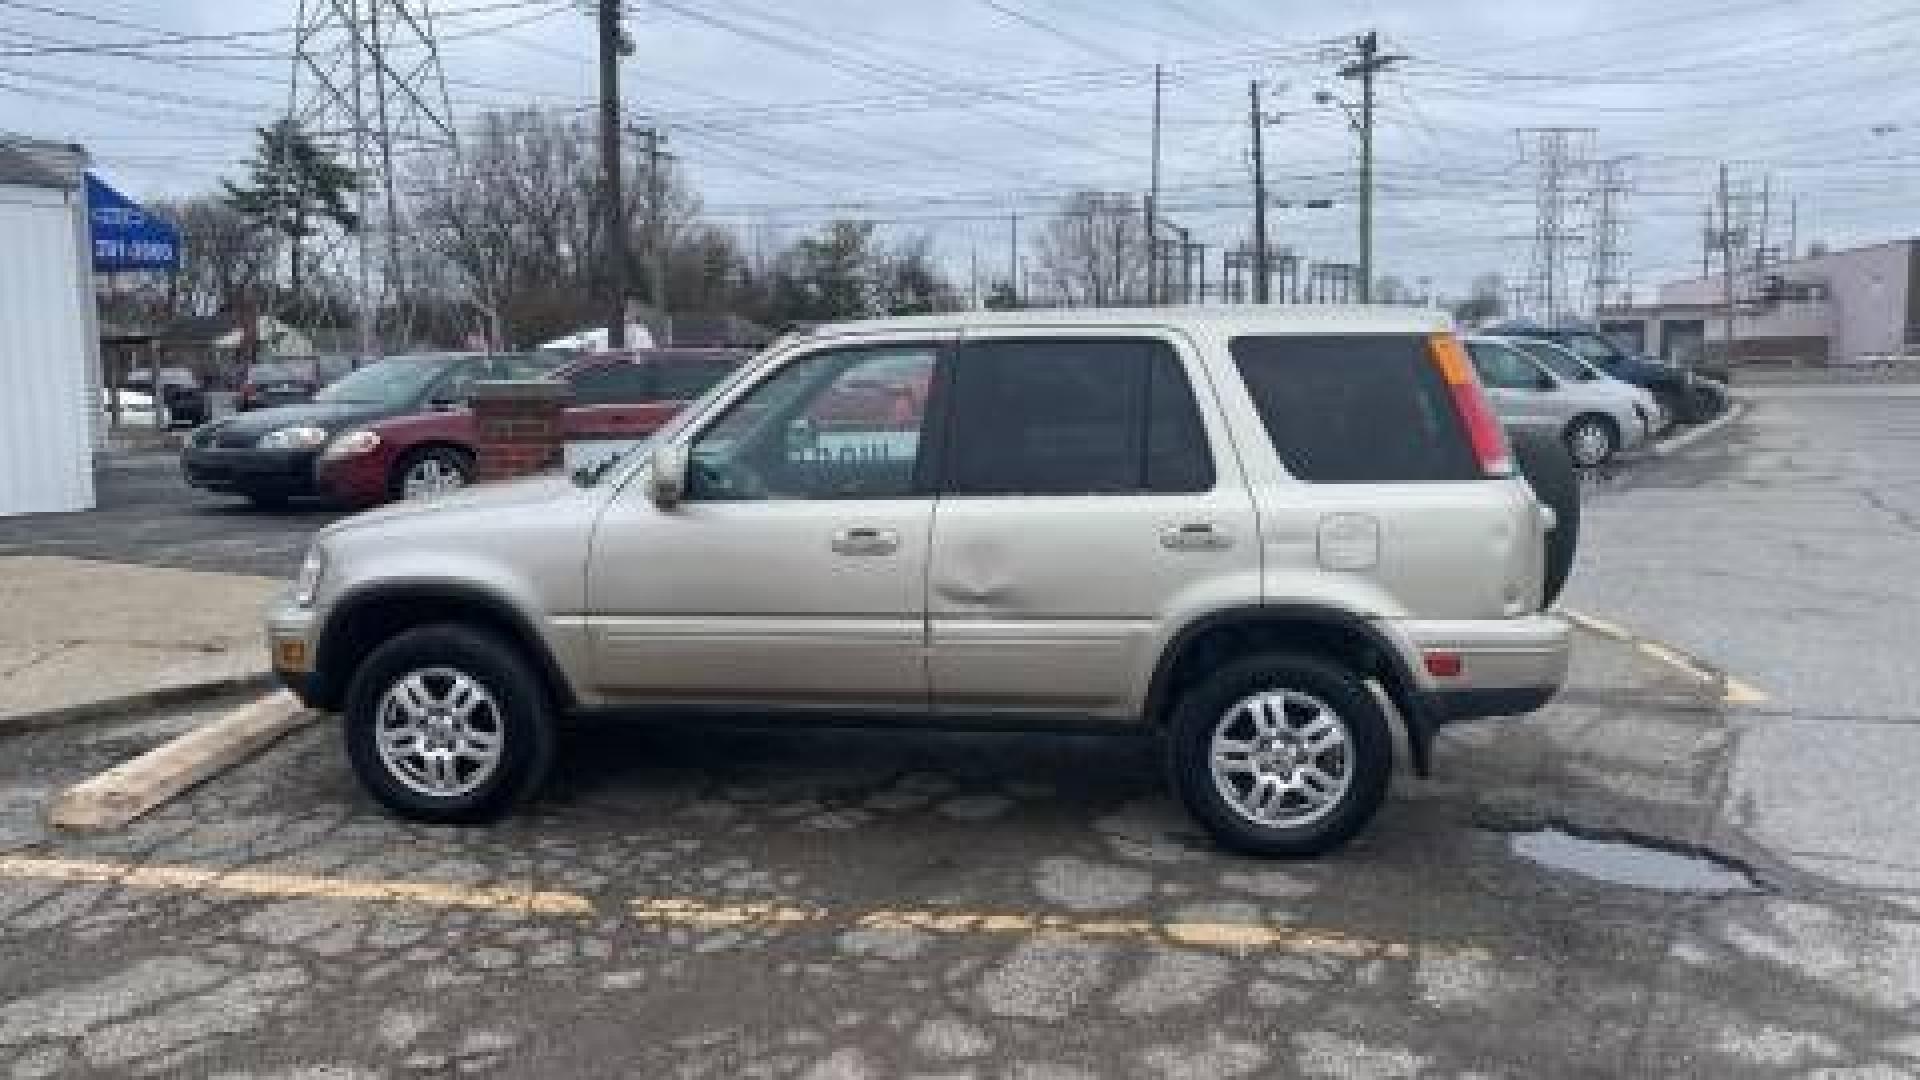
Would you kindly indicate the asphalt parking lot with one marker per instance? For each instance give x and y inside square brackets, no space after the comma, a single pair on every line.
[147,514]
[1734,889]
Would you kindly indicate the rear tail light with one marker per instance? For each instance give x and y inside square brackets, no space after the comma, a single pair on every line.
[1470,404]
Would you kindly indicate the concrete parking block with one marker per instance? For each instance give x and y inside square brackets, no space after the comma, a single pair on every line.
[117,796]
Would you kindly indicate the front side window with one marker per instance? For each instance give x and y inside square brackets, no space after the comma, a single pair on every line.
[1074,417]
[838,424]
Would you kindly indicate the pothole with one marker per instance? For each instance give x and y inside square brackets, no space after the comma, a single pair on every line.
[1635,862]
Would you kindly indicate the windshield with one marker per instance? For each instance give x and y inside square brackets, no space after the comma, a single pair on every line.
[1595,348]
[397,381]
[275,373]
[1557,360]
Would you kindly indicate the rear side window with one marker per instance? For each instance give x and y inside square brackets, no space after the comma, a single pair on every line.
[1074,417]
[1355,408]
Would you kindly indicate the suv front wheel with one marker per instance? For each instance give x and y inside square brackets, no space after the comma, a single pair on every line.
[448,725]
[1281,754]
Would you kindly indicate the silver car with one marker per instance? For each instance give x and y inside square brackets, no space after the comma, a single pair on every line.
[1593,419]
[1570,366]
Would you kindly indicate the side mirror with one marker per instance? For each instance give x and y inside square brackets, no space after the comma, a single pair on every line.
[443,404]
[1544,381]
[667,476]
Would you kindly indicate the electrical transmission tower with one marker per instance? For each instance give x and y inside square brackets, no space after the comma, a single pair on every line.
[1607,269]
[1562,161]
[368,86]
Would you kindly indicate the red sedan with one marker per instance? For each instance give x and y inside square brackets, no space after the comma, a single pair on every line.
[619,396]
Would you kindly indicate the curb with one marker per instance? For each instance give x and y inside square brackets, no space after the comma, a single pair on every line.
[1681,442]
[161,698]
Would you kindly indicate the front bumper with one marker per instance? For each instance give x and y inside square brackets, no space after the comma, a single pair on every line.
[1501,667]
[249,470]
[293,645]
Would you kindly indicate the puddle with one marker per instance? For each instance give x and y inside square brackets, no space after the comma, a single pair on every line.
[1624,862]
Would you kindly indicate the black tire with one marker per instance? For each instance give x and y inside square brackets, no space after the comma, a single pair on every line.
[1544,461]
[1701,403]
[267,501]
[522,716]
[1601,429]
[447,457]
[1205,706]
[1672,405]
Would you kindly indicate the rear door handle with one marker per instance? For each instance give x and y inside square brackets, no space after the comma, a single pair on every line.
[861,540]
[1195,536]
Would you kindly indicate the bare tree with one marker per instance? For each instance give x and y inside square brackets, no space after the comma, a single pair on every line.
[1093,251]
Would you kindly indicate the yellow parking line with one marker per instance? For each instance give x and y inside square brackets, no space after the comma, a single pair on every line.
[1598,626]
[289,886]
[690,912]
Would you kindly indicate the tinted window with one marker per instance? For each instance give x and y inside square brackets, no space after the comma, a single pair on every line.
[1502,367]
[1355,409]
[683,377]
[1557,360]
[613,384]
[1062,417]
[839,424]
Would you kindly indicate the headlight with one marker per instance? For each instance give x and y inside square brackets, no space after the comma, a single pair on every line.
[357,441]
[307,585]
[293,438]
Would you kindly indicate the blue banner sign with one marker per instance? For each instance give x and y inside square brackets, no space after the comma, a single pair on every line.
[125,237]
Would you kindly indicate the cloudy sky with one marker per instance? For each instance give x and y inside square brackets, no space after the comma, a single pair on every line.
[950,116]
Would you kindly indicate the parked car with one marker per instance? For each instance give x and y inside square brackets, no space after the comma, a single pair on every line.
[1570,367]
[1689,397]
[1594,420]
[617,399]
[399,428]
[274,383]
[136,408]
[181,394]
[1247,528]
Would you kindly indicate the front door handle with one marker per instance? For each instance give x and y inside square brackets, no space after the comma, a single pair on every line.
[1195,536]
[861,540]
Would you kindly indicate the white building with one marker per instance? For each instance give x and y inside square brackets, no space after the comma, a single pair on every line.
[49,351]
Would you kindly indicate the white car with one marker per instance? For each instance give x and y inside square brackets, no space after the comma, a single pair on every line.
[136,408]
[1594,420]
[1570,365]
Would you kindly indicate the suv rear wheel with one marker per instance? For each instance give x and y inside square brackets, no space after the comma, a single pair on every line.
[1281,754]
[448,725]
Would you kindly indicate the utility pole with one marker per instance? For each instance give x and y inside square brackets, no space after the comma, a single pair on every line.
[1793,228]
[1013,255]
[1153,199]
[1259,196]
[657,225]
[1726,256]
[1370,63]
[1760,246]
[1706,242]
[614,210]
